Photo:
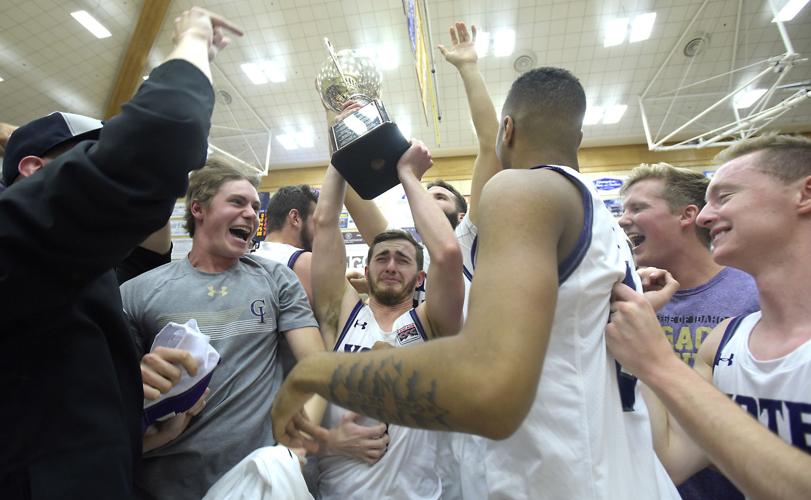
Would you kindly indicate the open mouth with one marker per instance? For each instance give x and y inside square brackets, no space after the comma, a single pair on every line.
[636,239]
[240,232]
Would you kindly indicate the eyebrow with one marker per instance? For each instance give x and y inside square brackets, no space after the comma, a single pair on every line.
[396,252]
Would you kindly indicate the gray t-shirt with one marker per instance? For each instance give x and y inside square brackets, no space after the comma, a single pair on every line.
[242,310]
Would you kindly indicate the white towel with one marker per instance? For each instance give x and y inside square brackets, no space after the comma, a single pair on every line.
[270,473]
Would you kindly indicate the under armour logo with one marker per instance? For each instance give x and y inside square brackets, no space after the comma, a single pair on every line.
[258,309]
[212,292]
[728,360]
[362,325]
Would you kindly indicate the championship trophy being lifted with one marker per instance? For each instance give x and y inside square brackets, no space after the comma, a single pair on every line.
[366,145]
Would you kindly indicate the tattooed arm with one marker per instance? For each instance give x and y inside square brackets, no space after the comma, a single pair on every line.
[484,380]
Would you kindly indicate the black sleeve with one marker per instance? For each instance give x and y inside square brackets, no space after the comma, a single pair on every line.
[140,261]
[86,210]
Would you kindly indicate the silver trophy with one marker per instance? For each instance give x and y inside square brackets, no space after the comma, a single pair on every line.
[366,144]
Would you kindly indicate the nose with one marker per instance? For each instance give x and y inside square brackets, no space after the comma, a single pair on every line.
[624,220]
[706,217]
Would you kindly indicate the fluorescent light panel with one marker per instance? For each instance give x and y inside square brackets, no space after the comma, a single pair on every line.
[287,141]
[503,42]
[404,124]
[745,98]
[790,10]
[593,115]
[91,24]
[613,114]
[615,31]
[263,72]
[641,27]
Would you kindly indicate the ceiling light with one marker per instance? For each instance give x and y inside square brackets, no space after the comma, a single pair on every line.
[288,141]
[145,77]
[263,72]
[482,43]
[615,31]
[503,42]
[746,98]
[90,24]
[404,124]
[593,115]
[789,10]
[613,114]
[304,139]
[273,71]
[254,73]
[1,79]
[641,27]
[386,56]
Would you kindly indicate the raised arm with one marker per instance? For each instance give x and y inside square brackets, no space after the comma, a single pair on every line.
[725,432]
[125,187]
[367,216]
[462,54]
[328,267]
[420,386]
[443,305]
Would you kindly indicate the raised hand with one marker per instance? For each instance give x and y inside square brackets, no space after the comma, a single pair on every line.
[415,161]
[203,24]
[463,46]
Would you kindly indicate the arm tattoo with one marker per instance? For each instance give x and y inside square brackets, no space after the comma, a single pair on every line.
[383,391]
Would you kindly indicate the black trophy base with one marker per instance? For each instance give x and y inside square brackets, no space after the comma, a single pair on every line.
[369,163]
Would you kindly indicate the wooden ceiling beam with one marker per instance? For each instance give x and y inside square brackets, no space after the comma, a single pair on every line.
[131,72]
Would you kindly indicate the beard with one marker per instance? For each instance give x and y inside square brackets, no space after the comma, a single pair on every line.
[306,239]
[453,218]
[392,297]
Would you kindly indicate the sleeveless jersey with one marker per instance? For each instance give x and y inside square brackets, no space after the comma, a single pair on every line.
[466,233]
[587,435]
[279,252]
[776,392]
[407,470]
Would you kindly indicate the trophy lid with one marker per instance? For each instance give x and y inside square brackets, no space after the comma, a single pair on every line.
[347,74]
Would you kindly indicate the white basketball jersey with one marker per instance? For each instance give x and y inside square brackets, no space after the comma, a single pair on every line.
[587,434]
[466,233]
[777,392]
[279,252]
[408,469]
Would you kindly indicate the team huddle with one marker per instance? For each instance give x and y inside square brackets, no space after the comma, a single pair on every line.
[560,354]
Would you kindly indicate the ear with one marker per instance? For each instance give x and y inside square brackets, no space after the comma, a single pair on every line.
[420,278]
[688,216]
[29,164]
[294,217]
[197,210]
[460,216]
[804,202]
[366,272]
[509,131]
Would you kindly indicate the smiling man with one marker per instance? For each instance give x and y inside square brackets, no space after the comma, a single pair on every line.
[758,214]
[242,303]
[661,205]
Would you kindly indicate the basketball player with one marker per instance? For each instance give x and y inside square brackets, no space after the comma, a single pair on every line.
[394,270]
[530,367]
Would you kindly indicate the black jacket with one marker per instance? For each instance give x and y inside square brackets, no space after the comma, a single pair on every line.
[70,425]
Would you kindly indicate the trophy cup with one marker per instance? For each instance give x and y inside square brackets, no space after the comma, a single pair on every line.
[366,145]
